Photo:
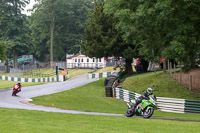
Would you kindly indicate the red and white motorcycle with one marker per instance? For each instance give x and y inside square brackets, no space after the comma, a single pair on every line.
[16,89]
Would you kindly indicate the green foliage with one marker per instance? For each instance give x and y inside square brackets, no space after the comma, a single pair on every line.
[176,50]
[13,26]
[2,49]
[103,40]
[99,33]
[163,28]
[70,16]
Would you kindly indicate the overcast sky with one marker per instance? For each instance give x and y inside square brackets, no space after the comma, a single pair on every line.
[29,6]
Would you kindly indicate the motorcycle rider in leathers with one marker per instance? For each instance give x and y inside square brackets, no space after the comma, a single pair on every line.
[19,86]
[145,95]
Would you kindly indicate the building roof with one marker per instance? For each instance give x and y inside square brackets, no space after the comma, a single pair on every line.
[70,56]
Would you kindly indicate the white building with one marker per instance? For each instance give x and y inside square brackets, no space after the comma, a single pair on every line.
[82,61]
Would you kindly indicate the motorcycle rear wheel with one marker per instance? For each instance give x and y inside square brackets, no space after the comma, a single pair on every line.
[129,113]
[148,113]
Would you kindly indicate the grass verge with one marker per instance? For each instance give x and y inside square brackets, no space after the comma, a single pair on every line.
[164,86]
[91,97]
[9,84]
[18,121]
[52,73]
[76,72]
[110,69]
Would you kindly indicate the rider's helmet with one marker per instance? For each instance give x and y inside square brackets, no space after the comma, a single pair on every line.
[19,82]
[150,91]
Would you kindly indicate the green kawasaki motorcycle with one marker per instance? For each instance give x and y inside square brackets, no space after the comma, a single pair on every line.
[145,108]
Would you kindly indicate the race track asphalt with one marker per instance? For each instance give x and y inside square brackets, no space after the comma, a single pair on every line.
[21,100]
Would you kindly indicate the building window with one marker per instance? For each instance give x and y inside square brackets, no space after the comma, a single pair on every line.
[75,60]
[93,59]
[99,60]
[82,60]
[87,59]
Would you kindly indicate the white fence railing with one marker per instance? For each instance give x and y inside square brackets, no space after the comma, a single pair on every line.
[164,104]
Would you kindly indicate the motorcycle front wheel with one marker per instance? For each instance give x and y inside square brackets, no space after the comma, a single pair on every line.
[14,93]
[129,113]
[148,113]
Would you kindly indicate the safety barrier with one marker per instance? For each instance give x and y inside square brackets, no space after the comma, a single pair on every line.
[164,104]
[98,75]
[34,80]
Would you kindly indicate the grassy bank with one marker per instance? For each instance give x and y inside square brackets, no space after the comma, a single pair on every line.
[18,121]
[9,84]
[44,72]
[106,69]
[164,86]
[110,69]
[76,72]
[91,97]
[52,72]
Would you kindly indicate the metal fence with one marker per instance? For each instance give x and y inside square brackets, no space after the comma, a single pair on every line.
[84,65]
[15,72]
[39,65]
[164,104]
[108,64]
[60,64]
[37,75]
[27,66]
[2,67]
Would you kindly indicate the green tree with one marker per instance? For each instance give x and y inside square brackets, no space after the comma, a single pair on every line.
[2,50]
[13,26]
[103,40]
[69,18]
[162,28]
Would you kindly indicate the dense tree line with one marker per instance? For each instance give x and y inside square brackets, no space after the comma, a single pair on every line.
[102,38]
[55,25]
[12,28]
[149,29]
[152,29]
[64,19]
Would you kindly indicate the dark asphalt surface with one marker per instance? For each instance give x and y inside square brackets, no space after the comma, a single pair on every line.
[20,101]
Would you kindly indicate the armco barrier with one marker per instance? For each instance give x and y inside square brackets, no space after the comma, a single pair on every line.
[98,75]
[192,106]
[34,80]
[164,104]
